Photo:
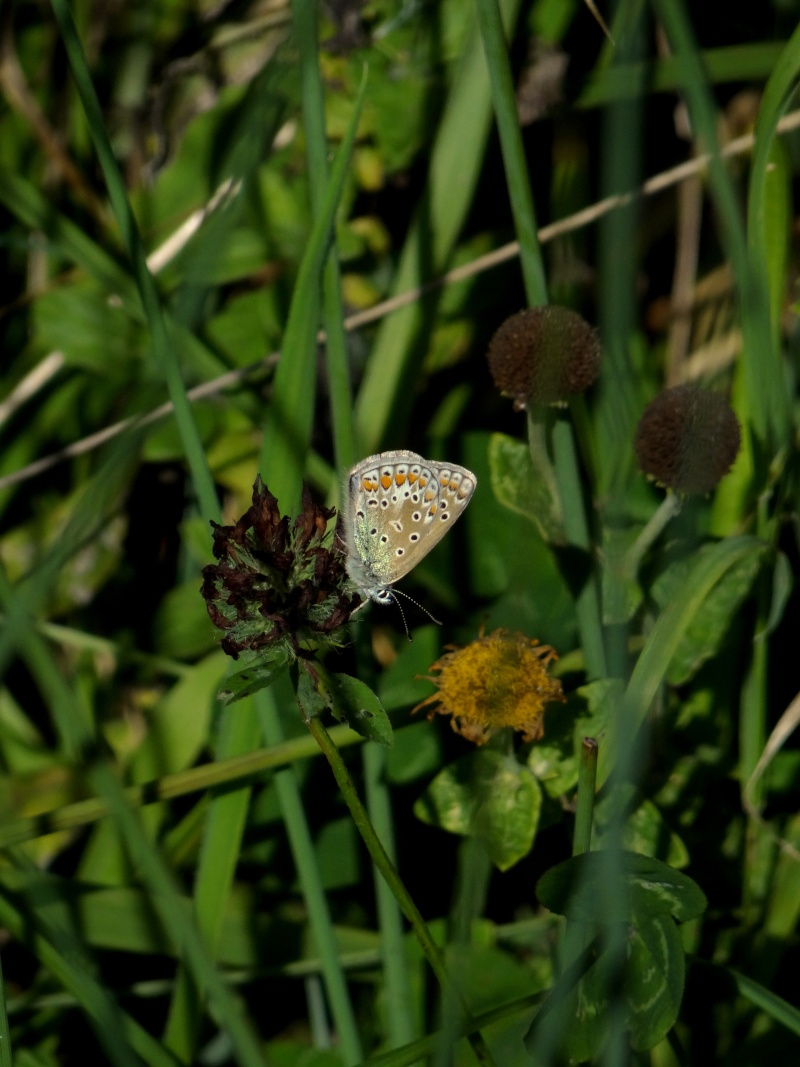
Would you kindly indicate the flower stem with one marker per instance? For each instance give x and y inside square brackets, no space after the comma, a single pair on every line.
[540,423]
[667,509]
[587,776]
[381,860]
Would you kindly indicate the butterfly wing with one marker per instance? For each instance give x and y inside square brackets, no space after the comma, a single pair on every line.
[399,506]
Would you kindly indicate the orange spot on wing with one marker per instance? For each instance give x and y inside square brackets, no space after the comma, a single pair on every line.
[412,477]
[400,479]
[429,495]
[386,480]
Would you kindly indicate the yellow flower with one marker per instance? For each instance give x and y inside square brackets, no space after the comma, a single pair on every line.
[497,681]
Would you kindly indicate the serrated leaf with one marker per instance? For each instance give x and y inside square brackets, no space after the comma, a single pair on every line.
[523,488]
[352,701]
[489,796]
[652,888]
[257,675]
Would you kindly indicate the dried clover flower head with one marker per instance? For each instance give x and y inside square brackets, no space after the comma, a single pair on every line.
[687,439]
[544,355]
[497,681]
[275,584]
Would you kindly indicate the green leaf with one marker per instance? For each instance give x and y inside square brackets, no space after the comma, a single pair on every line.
[645,830]
[652,887]
[662,643]
[604,699]
[489,796]
[782,585]
[655,978]
[337,848]
[182,628]
[523,488]
[554,760]
[353,702]
[403,683]
[417,752]
[712,620]
[258,674]
[179,722]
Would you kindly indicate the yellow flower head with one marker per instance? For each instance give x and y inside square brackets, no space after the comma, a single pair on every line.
[497,681]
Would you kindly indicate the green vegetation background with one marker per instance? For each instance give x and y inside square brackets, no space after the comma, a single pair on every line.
[172,178]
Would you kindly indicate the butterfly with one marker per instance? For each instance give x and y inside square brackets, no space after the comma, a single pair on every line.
[397,507]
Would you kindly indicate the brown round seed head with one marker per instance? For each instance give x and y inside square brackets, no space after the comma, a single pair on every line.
[687,439]
[544,355]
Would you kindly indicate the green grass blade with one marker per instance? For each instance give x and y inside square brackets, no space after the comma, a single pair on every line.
[517,178]
[777,95]
[289,420]
[31,207]
[117,1031]
[455,163]
[400,1028]
[662,642]
[163,347]
[305,859]
[144,856]
[336,348]
[198,779]
[227,1006]
[222,841]
[733,63]
[287,435]
[92,511]
[760,358]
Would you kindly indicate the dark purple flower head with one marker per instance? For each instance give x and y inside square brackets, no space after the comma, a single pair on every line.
[277,584]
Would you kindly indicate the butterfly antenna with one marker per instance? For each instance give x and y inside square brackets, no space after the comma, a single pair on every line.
[398,592]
